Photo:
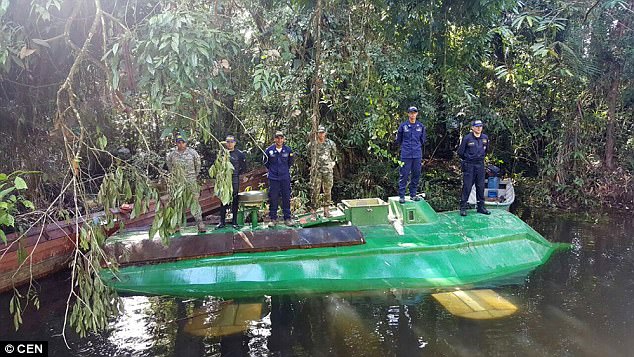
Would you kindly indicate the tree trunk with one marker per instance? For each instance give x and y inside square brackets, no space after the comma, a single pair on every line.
[316,90]
[615,90]
[613,96]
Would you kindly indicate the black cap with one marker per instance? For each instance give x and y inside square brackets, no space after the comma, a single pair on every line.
[412,110]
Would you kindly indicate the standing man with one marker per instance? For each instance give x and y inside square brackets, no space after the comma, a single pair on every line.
[239,162]
[411,137]
[326,153]
[472,151]
[184,164]
[278,161]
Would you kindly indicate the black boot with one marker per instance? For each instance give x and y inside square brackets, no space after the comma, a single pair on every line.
[223,217]
[463,212]
[483,210]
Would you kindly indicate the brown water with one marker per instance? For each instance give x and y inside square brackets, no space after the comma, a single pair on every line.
[581,303]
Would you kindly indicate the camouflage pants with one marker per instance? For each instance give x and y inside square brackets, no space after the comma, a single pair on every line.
[193,187]
[196,210]
[321,180]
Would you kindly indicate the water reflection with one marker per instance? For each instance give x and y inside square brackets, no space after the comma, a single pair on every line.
[132,331]
[580,303]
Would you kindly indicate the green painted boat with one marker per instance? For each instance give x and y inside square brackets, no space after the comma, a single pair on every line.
[369,245]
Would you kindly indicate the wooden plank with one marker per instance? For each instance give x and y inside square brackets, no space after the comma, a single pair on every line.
[43,251]
[29,241]
[41,269]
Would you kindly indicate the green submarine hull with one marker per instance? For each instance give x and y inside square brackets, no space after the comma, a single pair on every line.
[371,245]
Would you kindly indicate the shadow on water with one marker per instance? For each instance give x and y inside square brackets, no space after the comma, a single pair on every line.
[579,304]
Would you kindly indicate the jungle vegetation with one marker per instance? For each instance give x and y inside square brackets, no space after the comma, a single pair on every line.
[92,91]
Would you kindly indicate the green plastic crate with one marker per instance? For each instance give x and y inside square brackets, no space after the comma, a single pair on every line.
[366,211]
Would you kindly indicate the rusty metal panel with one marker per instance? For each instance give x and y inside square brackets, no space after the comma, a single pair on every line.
[264,240]
[329,237]
[136,251]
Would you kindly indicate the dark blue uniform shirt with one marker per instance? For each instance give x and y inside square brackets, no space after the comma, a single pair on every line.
[411,137]
[239,162]
[473,149]
[278,163]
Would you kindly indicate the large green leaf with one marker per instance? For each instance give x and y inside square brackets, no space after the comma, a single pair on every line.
[19,183]
[6,219]
[6,192]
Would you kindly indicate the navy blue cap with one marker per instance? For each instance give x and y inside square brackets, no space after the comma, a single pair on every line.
[477,122]
[412,110]
[179,137]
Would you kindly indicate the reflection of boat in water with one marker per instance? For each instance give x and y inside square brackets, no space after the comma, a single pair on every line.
[503,199]
[224,318]
[412,247]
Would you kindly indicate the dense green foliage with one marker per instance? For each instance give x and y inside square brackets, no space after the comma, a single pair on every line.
[92,91]
[550,78]
[11,200]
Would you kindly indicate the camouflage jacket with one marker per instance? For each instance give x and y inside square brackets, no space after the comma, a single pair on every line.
[188,161]
[326,155]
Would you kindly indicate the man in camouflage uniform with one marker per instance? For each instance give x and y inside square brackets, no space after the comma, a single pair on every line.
[326,152]
[187,162]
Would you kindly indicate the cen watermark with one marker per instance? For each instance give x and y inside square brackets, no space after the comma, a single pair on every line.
[24,348]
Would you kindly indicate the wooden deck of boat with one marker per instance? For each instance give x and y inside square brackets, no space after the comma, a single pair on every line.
[151,251]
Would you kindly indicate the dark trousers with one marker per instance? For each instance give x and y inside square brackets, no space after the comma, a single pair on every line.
[413,166]
[472,174]
[279,188]
[234,203]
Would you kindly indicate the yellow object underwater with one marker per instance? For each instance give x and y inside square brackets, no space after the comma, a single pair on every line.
[231,319]
[476,304]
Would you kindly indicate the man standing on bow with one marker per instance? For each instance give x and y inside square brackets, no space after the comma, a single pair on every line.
[326,152]
[411,137]
[472,150]
[278,160]
[184,163]
[239,162]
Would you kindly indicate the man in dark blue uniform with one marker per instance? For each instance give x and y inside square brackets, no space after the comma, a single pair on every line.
[472,150]
[239,162]
[278,161]
[411,137]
